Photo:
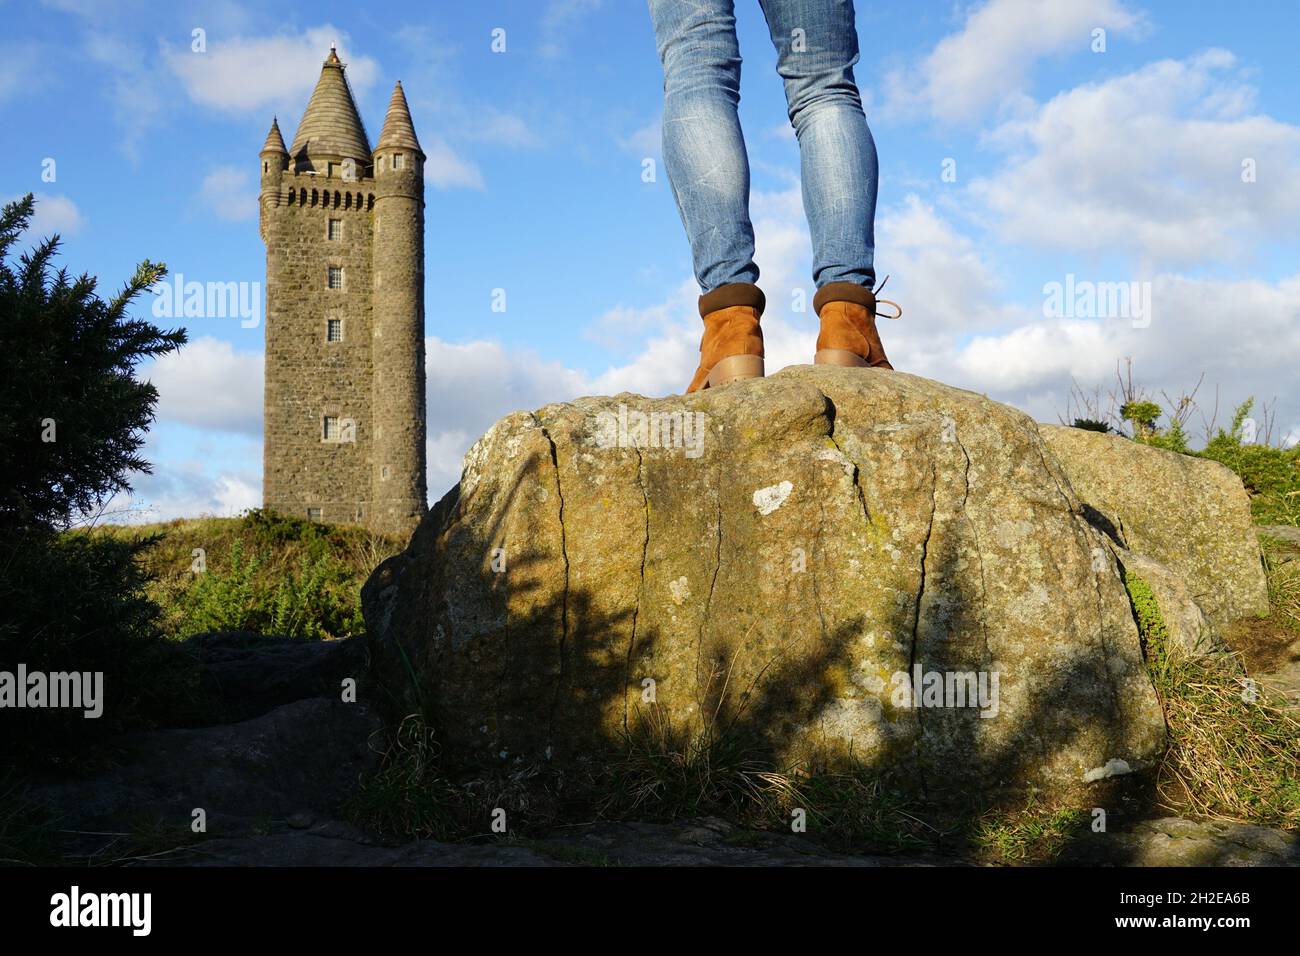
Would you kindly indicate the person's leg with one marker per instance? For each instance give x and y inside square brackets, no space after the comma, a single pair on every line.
[817,47]
[704,154]
[703,148]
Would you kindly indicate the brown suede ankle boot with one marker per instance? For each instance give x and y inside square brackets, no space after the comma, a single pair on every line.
[732,346]
[848,334]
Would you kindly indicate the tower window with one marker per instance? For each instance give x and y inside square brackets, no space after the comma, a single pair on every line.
[313,514]
[399,160]
[336,277]
[333,330]
[330,430]
[335,230]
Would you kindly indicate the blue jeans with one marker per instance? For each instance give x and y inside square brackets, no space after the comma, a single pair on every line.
[704,149]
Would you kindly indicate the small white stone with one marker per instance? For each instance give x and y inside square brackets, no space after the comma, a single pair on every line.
[1114,768]
[768,499]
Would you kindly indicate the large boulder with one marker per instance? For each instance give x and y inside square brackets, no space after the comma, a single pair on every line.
[1191,515]
[774,561]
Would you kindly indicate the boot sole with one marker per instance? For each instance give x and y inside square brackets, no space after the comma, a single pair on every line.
[733,367]
[842,357]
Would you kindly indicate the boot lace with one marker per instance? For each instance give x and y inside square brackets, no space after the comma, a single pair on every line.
[898,314]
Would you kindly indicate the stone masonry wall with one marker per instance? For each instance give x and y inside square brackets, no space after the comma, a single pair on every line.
[308,378]
[398,476]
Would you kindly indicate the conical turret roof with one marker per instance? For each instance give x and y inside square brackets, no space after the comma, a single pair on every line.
[274,141]
[331,126]
[398,129]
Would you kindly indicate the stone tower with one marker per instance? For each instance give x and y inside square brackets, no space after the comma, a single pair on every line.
[344,233]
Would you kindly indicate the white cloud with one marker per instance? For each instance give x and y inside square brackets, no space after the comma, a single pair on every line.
[55,214]
[194,474]
[254,74]
[184,490]
[235,494]
[936,271]
[1243,336]
[210,385]
[446,169]
[230,193]
[646,141]
[471,385]
[1037,355]
[1150,164]
[990,59]
[622,326]
[445,456]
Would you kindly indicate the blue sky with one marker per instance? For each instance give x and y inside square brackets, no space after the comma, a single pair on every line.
[1122,165]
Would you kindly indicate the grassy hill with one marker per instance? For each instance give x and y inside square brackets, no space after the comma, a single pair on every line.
[261,572]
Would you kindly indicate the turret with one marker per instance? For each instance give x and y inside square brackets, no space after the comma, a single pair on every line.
[274,159]
[331,139]
[398,310]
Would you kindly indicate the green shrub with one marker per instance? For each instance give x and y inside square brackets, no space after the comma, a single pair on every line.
[225,600]
[1092,425]
[1142,416]
[1271,475]
[315,597]
[1171,438]
[73,419]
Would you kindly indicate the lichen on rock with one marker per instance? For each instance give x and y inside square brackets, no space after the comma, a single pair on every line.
[907,532]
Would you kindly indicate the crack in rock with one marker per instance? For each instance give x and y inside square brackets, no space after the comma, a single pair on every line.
[564,554]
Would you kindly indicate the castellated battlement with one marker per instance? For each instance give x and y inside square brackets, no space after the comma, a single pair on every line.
[343,226]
